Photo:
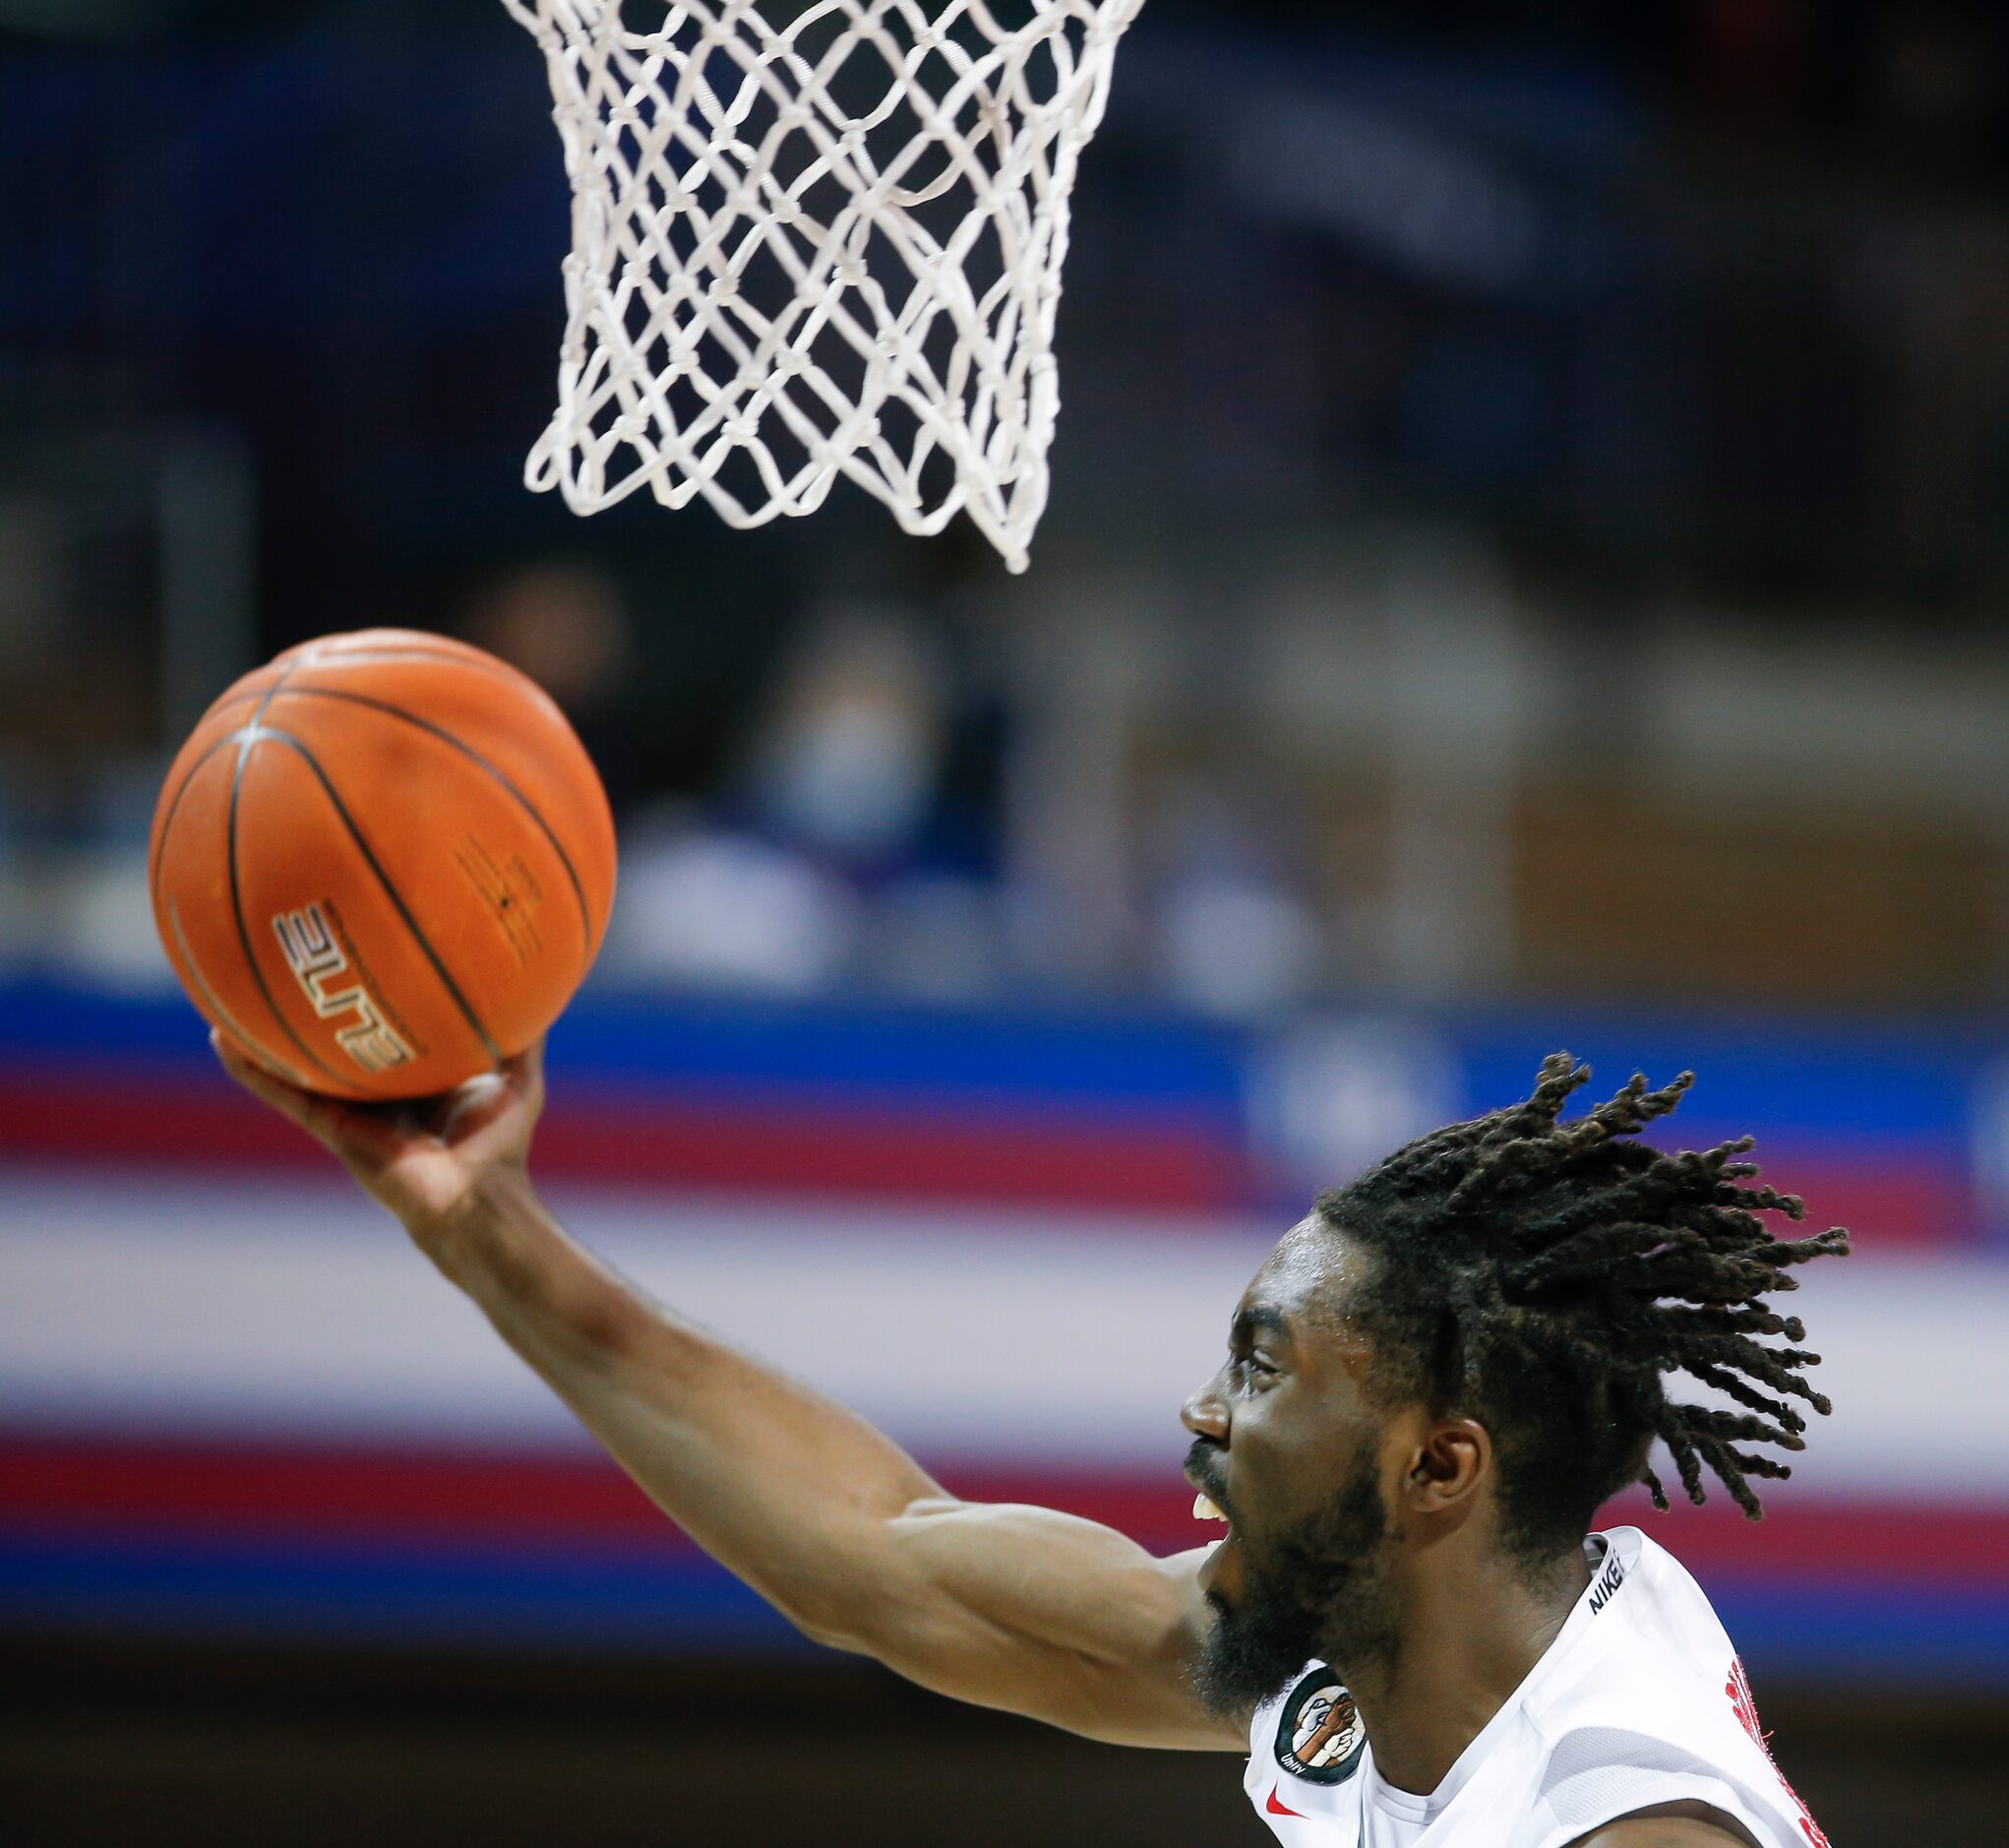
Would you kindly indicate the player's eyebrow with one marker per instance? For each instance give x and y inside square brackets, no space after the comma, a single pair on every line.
[1255,1319]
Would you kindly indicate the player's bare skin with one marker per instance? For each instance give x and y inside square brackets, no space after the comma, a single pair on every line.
[1670,1825]
[1018,1608]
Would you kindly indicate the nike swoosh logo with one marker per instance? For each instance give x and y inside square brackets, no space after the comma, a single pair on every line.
[1280,1808]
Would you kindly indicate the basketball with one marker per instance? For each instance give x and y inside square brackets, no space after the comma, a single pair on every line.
[382,863]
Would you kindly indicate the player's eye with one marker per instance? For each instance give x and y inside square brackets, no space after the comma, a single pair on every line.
[1251,1369]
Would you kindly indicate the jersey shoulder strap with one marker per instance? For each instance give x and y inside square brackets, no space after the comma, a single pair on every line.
[1646,1711]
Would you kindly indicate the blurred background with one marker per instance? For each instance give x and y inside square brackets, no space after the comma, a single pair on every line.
[1526,568]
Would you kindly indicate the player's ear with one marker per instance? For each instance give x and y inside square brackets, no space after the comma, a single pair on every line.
[1454,1457]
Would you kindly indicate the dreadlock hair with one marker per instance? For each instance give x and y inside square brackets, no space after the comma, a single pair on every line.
[1546,1276]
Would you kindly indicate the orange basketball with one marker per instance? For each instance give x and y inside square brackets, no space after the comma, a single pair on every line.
[382,863]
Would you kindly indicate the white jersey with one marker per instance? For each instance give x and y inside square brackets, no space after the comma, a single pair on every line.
[1639,1701]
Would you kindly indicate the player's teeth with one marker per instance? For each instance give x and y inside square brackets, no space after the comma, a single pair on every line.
[1203,1510]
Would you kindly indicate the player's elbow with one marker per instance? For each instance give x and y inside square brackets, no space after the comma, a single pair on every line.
[854,1625]
[857,1609]
[830,1635]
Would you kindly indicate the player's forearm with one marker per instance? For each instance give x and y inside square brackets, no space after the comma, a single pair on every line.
[785,1487]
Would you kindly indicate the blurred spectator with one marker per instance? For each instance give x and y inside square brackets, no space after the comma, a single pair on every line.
[1237,938]
[834,817]
[568,627]
[846,762]
[75,686]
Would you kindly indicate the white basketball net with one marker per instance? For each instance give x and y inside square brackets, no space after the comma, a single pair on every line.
[827,247]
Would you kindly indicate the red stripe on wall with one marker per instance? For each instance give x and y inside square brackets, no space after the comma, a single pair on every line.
[912,1148]
[1892,1206]
[1178,1160]
[1913,1542]
[329,1492]
[104,1488]
[1174,1159]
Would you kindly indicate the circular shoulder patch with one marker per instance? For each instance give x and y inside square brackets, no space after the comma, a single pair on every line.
[1320,1732]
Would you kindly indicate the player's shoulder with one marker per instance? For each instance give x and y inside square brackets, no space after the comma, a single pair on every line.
[1651,1712]
[1644,1645]
[1648,1656]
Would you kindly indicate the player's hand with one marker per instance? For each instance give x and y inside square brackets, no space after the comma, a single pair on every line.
[429,1160]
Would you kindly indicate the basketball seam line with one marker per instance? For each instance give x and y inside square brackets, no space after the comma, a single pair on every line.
[174,809]
[188,954]
[209,994]
[247,738]
[390,891]
[447,737]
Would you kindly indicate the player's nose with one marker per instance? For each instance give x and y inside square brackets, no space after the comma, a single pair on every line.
[1205,1413]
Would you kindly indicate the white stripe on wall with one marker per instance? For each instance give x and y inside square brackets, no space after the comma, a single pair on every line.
[174,1306]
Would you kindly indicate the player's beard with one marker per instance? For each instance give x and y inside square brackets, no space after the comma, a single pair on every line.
[1317,1591]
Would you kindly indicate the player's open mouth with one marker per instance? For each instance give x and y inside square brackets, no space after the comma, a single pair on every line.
[1220,1575]
[1220,1572]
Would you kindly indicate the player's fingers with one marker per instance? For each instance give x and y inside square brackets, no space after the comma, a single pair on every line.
[513,1093]
[317,1116]
[287,1099]
[471,1106]
[367,1139]
[526,1072]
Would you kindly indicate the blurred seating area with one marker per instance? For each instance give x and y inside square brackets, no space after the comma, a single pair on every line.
[1529,516]
[1371,764]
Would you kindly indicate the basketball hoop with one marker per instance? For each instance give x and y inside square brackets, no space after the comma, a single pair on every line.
[831,247]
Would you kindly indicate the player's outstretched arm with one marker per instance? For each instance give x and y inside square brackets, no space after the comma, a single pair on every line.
[1018,1608]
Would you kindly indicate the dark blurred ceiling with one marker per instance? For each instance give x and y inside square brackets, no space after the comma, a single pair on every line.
[1583,23]
[1818,63]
